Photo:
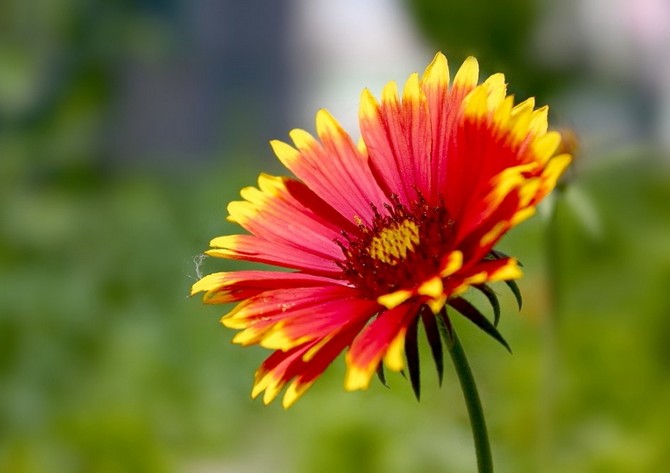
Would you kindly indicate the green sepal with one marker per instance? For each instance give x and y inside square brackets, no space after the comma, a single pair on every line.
[471,313]
[495,254]
[493,300]
[412,355]
[381,375]
[434,341]
[516,291]
[445,328]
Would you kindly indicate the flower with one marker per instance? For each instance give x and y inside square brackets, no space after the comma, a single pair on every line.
[384,233]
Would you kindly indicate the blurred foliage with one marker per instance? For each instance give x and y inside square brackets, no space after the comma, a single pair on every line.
[61,64]
[499,34]
[107,366]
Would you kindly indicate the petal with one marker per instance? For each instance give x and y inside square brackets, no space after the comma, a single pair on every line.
[334,168]
[275,214]
[304,364]
[451,263]
[315,362]
[503,269]
[479,233]
[272,306]
[467,76]
[394,299]
[432,288]
[224,287]
[435,80]
[496,91]
[441,109]
[398,139]
[276,371]
[383,159]
[490,158]
[444,109]
[546,145]
[282,319]
[252,248]
[555,168]
[381,338]
[316,322]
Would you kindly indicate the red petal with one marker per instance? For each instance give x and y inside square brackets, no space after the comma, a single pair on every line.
[252,248]
[224,287]
[333,168]
[373,343]
[397,135]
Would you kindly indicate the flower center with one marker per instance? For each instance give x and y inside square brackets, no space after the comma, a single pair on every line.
[393,243]
[400,249]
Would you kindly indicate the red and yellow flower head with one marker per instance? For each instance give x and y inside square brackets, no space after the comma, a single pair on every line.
[384,233]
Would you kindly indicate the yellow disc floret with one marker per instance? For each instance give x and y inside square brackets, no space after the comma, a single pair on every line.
[393,243]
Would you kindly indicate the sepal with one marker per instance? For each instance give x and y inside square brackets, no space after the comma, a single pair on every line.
[514,287]
[473,314]
[493,300]
[412,355]
[434,341]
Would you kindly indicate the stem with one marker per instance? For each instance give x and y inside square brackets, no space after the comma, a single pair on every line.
[474,405]
[549,366]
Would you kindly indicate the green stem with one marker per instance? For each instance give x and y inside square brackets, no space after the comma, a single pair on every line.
[474,405]
[549,325]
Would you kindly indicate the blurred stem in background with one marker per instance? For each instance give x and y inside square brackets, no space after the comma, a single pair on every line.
[549,351]
[565,198]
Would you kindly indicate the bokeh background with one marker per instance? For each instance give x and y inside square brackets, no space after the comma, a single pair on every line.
[126,127]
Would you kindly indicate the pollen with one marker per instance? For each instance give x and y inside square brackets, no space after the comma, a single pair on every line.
[393,244]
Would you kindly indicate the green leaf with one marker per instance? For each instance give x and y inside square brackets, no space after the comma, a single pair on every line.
[434,341]
[471,313]
[493,300]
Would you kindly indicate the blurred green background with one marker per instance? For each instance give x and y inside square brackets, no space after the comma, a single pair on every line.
[126,127]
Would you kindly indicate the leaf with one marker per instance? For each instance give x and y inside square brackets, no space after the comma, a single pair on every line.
[471,313]
[434,341]
[412,354]
[493,300]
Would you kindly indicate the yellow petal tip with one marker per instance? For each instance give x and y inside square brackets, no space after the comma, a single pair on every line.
[293,393]
[507,272]
[432,288]
[436,74]
[394,299]
[468,74]
[394,358]
[453,263]
[368,107]
[357,378]
[285,152]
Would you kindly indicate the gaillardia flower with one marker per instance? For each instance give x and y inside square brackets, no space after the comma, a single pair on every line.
[386,233]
